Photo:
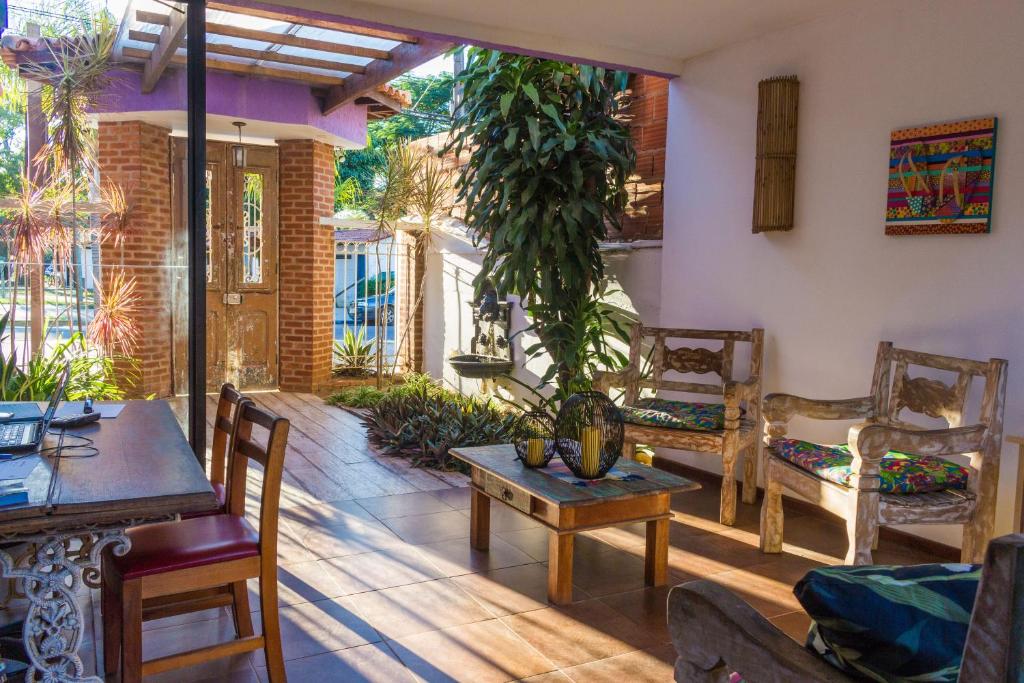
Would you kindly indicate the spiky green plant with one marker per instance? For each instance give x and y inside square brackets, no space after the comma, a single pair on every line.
[114,329]
[353,354]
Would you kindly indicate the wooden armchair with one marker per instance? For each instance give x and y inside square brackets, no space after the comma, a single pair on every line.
[716,633]
[733,435]
[863,494]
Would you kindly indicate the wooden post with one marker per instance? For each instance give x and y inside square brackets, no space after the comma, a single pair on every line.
[1018,502]
[480,520]
[656,553]
[560,552]
[37,169]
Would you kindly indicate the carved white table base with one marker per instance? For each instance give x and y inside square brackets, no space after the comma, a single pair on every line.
[52,578]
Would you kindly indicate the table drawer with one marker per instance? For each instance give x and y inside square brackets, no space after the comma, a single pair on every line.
[506,493]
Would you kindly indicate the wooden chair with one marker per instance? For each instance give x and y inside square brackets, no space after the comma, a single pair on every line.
[223,427]
[883,428]
[738,433]
[716,633]
[195,564]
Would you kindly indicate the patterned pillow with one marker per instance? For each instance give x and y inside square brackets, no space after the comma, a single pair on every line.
[662,412]
[900,472]
[891,623]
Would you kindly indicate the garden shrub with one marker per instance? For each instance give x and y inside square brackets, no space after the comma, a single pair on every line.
[426,421]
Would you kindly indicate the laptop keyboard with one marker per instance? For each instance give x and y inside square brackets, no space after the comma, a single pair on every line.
[13,434]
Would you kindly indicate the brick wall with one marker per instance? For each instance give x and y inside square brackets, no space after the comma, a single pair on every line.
[411,257]
[643,218]
[135,155]
[306,254]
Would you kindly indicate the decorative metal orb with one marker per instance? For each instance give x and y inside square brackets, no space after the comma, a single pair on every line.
[588,433]
[535,438]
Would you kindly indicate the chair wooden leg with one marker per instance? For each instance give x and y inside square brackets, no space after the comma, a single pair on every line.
[131,634]
[629,450]
[271,626]
[874,541]
[727,504]
[861,527]
[750,463]
[110,607]
[771,514]
[240,609]
[977,534]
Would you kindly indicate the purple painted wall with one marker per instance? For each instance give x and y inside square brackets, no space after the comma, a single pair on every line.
[238,96]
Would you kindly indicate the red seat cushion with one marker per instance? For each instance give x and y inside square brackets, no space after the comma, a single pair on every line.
[171,546]
[221,492]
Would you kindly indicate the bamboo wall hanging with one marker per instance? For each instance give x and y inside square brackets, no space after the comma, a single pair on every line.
[775,172]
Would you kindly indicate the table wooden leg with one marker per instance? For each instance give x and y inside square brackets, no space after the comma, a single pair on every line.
[480,521]
[656,555]
[560,548]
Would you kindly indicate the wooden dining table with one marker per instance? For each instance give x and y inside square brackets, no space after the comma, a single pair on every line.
[81,501]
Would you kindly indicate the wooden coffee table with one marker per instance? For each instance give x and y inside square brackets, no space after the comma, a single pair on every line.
[566,509]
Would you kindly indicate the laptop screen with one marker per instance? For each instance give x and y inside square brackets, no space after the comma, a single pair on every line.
[58,395]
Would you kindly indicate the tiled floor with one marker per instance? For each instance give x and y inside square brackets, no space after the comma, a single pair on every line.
[378,581]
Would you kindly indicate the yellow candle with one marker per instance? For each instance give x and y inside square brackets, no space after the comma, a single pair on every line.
[590,442]
[535,452]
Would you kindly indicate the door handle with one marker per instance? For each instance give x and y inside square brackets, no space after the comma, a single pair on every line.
[232,298]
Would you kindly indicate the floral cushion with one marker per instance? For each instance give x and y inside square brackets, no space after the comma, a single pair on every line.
[900,472]
[893,624]
[661,412]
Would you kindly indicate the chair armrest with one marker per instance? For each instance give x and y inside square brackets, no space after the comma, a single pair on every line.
[742,391]
[604,380]
[870,442]
[715,633]
[782,408]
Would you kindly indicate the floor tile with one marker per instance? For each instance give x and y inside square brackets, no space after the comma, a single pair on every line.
[656,665]
[768,587]
[579,633]
[534,542]
[404,504]
[793,624]
[297,583]
[315,627]
[387,568]
[482,652]
[430,528]
[504,518]
[647,608]
[457,557]
[349,538]
[511,590]
[421,607]
[458,497]
[373,663]
[615,571]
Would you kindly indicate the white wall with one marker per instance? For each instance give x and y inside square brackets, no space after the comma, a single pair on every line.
[453,262]
[828,291]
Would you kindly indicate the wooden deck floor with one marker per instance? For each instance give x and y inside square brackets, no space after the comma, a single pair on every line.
[378,582]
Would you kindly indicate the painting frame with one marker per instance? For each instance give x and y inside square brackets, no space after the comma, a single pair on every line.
[942,178]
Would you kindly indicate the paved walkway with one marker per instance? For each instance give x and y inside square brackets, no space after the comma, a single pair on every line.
[378,582]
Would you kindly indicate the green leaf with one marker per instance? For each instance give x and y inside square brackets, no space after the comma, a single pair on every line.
[531,92]
[506,104]
[534,127]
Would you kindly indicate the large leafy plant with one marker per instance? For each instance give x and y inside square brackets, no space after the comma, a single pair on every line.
[550,153]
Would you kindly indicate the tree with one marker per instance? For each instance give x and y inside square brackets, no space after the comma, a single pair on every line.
[550,153]
[12,149]
[358,172]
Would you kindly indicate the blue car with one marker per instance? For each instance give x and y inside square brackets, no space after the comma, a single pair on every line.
[370,309]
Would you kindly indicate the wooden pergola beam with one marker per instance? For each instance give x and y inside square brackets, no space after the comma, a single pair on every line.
[171,37]
[296,41]
[403,58]
[376,97]
[294,18]
[247,69]
[331,46]
[267,55]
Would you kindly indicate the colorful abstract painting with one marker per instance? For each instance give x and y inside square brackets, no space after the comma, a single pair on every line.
[941,178]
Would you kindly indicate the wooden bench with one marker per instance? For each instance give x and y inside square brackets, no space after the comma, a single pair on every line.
[738,436]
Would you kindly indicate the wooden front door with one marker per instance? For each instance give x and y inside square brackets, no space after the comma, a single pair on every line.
[241,267]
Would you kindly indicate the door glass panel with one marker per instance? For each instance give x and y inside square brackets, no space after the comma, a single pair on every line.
[252,229]
[209,225]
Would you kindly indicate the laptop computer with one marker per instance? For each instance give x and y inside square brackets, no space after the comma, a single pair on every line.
[27,434]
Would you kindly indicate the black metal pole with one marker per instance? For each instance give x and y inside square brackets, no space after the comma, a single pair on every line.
[196,76]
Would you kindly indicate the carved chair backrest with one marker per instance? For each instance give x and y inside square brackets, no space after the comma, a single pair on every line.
[895,390]
[995,638]
[223,426]
[688,359]
[268,452]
